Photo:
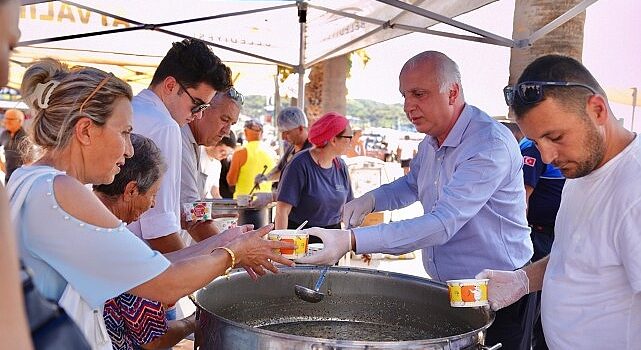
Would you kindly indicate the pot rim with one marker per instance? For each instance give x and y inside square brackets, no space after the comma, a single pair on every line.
[347,269]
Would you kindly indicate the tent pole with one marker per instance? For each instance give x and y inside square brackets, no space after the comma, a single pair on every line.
[302,20]
[634,105]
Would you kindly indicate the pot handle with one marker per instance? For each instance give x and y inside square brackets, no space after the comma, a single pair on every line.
[195,302]
[495,347]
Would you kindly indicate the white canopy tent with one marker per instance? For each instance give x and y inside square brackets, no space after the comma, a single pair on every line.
[135,35]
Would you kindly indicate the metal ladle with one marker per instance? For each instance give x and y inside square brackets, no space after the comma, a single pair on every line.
[312,295]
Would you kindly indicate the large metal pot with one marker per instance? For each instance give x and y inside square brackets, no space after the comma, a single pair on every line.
[230,311]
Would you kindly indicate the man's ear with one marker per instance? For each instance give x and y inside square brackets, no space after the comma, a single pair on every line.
[131,191]
[169,84]
[455,90]
[84,130]
[597,108]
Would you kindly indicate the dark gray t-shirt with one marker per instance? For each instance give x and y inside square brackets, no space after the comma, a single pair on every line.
[316,194]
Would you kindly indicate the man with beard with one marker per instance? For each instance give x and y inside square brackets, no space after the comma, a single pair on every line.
[591,281]
[467,176]
[207,131]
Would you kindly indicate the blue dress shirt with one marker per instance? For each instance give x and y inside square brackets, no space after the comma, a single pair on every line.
[473,197]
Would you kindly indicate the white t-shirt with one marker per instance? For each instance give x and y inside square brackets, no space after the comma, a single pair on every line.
[152,119]
[591,288]
[212,168]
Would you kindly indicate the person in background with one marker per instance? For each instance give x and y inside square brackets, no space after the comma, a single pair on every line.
[292,124]
[561,107]
[224,151]
[315,185]
[405,152]
[134,322]
[251,160]
[215,124]
[514,129]
[11,140]
[467,176]
[357,146]
[82,123]
[186,79]
[13,321]
[543,187]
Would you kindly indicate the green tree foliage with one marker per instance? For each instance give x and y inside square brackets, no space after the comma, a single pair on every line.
[364,113]
[368,113]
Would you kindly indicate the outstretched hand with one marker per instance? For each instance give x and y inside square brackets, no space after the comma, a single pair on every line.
[257,254]
[336,243]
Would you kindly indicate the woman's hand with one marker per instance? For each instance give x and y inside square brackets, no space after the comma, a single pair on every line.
[257,254]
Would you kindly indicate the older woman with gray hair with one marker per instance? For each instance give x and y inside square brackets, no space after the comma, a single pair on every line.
[134,322]
[292,124]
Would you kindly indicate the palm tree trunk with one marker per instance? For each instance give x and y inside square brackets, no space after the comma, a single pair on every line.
[326,90]
[529,16]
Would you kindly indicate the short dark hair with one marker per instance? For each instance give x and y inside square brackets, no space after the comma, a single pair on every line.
[558,68]
[191,62]
[229,141]
[145,167]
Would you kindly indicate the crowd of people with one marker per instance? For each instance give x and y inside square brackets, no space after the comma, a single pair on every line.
[555,211]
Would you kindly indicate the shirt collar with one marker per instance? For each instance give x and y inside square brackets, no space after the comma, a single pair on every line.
[453,139]
[151,97]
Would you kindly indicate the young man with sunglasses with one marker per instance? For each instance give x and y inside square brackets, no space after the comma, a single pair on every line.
[467,176]
[185,81]
[591,281]
[207,131]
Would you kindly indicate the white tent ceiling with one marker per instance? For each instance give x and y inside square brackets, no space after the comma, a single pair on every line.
[135,35]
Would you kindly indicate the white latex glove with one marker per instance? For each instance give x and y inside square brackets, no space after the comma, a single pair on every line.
[505,287]
[355,211]
[336,243]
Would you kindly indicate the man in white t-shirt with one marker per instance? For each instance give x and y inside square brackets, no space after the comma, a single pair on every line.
[187,76]
[591,281]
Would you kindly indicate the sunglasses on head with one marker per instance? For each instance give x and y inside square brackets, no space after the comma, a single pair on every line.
[235,95]
[530,92]
[199,106]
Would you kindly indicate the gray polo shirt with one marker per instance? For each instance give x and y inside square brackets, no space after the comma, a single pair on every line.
[192,178]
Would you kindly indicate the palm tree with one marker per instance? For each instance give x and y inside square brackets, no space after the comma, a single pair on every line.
[529,16]
[326,90]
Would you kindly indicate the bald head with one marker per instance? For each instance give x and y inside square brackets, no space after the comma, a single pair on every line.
[445,70]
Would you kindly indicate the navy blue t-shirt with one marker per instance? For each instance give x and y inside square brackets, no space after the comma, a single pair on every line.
[316,194]
[547,181]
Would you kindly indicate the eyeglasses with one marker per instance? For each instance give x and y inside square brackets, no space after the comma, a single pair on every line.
[530,92]
[199,106]
[345,136]
[235,95]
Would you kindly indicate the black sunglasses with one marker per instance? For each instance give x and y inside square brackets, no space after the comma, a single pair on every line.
[199,106]
[345,136]
[530,92]
[235,95]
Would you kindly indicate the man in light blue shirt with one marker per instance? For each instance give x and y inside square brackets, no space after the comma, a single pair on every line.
[467,175]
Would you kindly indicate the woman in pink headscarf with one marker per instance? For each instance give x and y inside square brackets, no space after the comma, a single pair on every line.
[315,185]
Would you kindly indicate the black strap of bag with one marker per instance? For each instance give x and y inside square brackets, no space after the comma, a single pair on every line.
[51,328]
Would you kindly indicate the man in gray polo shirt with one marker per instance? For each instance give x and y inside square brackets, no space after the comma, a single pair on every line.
[207,131]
